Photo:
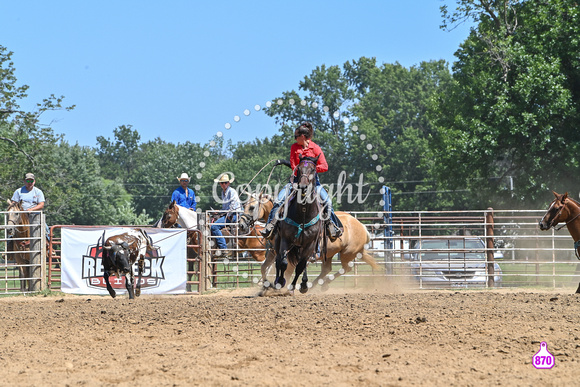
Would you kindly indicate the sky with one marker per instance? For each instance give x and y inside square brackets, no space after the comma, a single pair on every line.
[189,70]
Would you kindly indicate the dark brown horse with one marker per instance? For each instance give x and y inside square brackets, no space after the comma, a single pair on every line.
[300,229]
[18,231]
[350,246]
[566,210]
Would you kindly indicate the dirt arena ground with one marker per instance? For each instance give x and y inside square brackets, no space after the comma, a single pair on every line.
[371,338]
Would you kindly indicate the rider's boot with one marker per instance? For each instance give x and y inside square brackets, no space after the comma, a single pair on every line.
[332,230]
[268,231]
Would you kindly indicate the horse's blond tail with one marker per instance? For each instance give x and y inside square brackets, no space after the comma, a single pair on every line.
[366,257]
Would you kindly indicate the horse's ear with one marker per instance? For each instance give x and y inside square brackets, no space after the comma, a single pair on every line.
[316,159]
[9,201]
[555,194]
[564,197]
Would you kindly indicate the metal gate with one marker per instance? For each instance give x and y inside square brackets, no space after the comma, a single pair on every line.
[514,252]
[481,248]
[29,274]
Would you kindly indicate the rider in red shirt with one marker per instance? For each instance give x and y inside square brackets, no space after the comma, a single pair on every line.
[305,147]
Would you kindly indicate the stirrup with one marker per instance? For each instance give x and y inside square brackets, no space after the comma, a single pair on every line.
[268,231]
[333,232]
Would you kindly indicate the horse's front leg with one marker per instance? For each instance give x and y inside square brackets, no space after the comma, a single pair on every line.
[301,269]
[304,283]
[578,290]
[281,266]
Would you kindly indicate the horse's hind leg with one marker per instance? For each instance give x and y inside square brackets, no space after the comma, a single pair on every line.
[578,290]
[325,269]
[270,257]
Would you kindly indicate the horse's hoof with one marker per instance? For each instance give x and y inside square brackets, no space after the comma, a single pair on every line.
[303,289]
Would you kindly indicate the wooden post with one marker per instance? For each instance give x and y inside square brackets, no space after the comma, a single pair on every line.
[490,247]
[35,248]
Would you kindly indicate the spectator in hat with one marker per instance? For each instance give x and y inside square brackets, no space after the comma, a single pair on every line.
[230,207]
[183,195]
[31,197]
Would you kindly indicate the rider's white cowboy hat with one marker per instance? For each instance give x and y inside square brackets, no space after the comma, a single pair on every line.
[224,178]
[184,176]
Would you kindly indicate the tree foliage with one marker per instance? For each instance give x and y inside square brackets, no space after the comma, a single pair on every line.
[512,111]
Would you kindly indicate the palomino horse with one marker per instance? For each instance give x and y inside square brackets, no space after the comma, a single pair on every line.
[301,227]
[350,245]
[564,209]
[19,230]
[251,222]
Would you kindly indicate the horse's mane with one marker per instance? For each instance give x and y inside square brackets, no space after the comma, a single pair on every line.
[574,201]
[18,206]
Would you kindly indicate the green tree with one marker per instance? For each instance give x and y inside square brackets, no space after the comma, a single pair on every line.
[118,157]
[26,144]
[511,113]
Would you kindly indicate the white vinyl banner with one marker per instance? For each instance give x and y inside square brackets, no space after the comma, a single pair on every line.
[82,269]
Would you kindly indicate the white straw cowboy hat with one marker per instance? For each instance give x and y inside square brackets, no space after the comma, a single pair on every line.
[184,176]
[224,178]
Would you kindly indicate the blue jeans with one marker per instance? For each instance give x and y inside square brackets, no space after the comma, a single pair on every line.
[216,230]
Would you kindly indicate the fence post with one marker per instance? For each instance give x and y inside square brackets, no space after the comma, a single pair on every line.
[34,246]
[490,247]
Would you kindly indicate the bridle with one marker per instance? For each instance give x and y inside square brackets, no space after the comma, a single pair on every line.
[560,212]
[167,218]
[14,226]
[576,243]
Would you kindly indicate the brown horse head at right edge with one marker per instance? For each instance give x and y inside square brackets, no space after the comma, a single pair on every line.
[565,211]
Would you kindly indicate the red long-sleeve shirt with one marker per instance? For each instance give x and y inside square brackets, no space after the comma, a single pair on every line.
[312,150]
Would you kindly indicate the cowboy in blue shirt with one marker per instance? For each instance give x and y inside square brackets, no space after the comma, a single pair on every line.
[184,196]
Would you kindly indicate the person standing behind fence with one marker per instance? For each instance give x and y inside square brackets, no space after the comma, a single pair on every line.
[230,206]
[183,195]
[31,197]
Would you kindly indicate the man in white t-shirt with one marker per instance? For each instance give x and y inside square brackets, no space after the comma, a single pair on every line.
[31,197]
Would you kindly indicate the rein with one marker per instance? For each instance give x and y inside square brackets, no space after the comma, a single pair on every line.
[568,222]
[302,227]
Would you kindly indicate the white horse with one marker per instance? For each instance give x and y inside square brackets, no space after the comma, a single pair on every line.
[175,213]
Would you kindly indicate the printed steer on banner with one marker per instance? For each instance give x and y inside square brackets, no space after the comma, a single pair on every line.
[120,253]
